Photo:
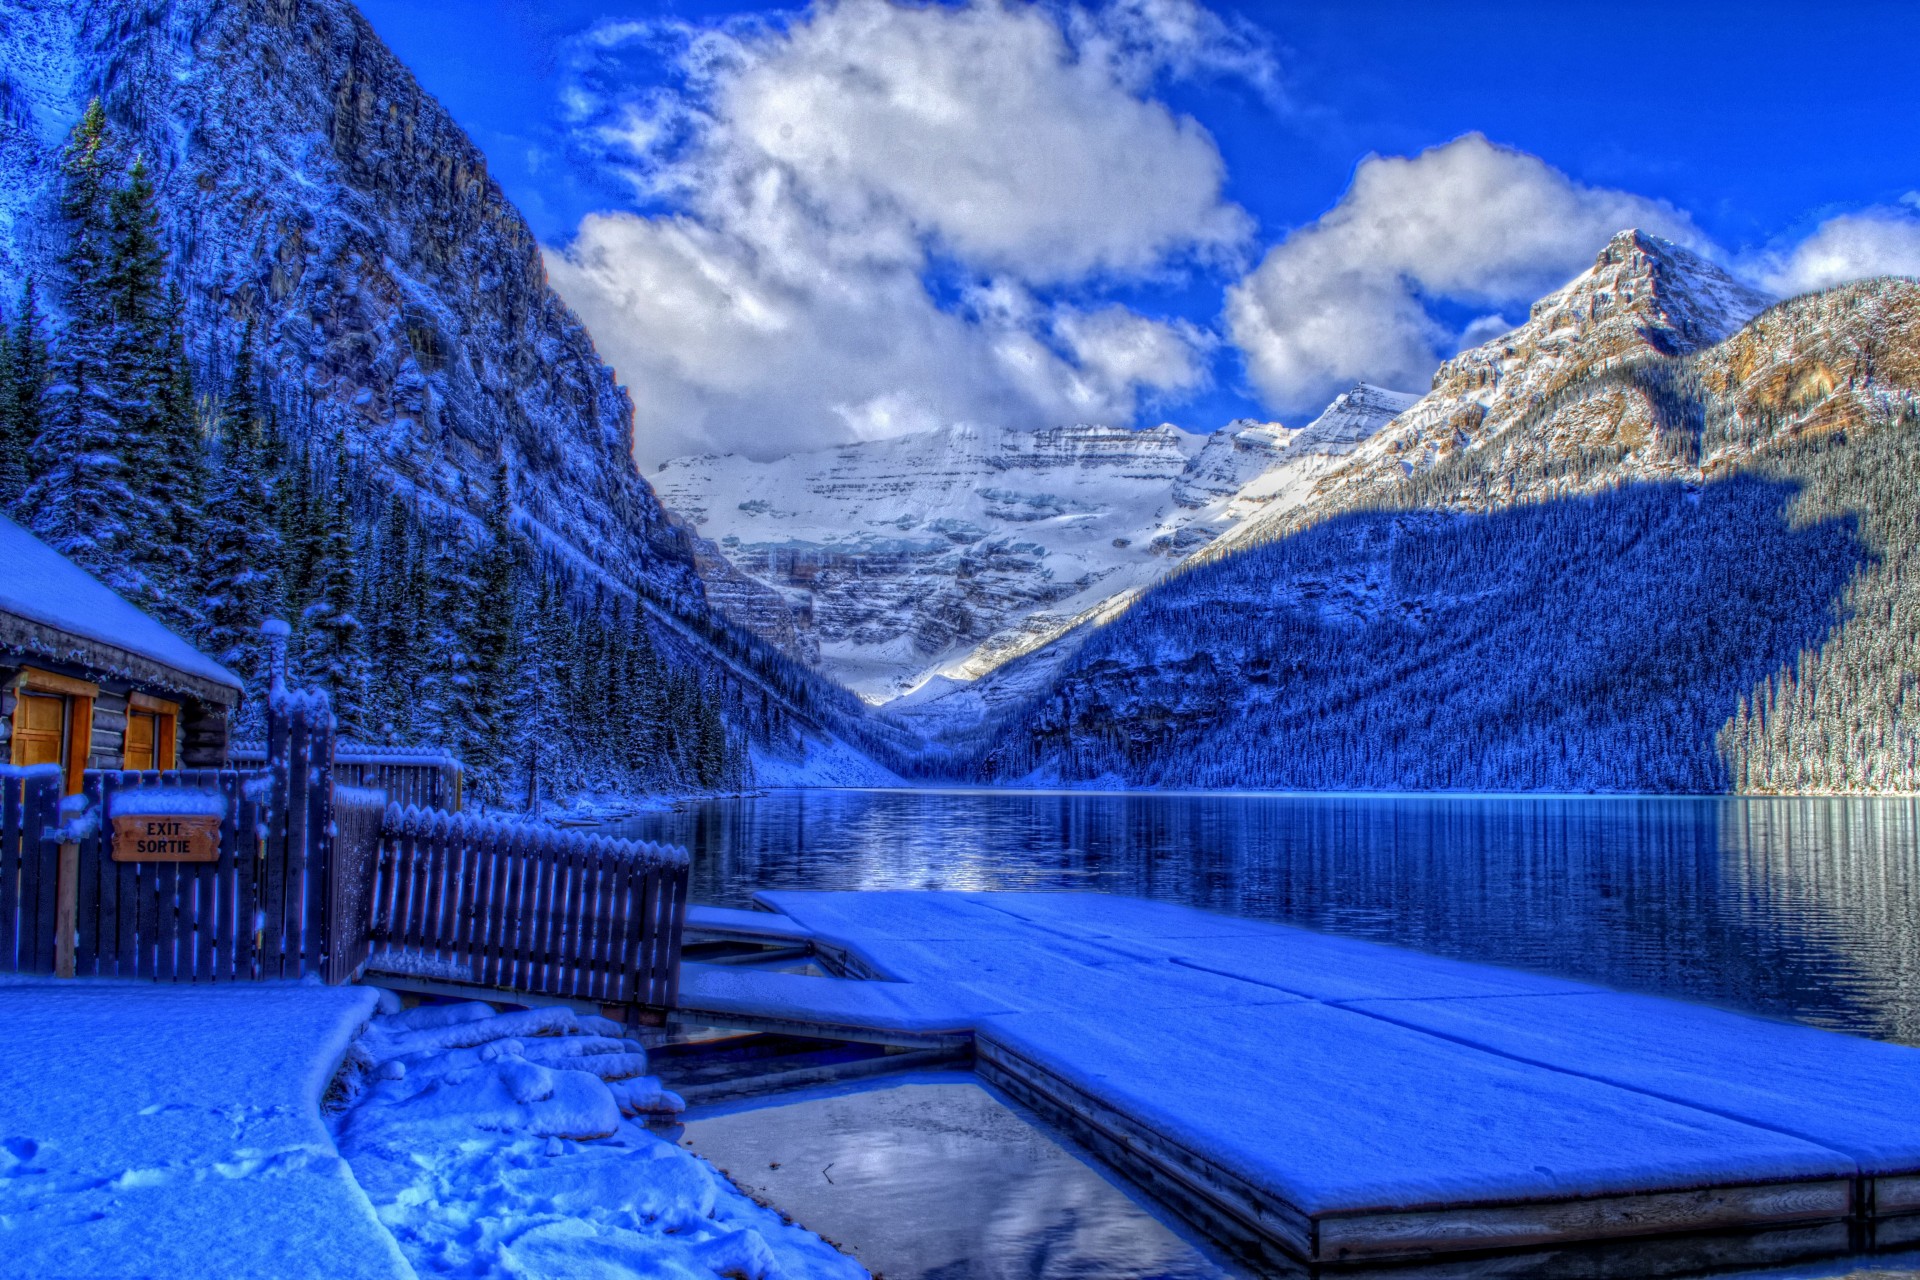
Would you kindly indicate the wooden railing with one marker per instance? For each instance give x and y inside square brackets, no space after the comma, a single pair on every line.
[525,907]
[428,779]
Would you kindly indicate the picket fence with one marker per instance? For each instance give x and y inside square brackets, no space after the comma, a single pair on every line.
[528,908]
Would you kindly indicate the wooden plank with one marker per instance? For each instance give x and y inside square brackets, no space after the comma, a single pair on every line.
[247,857]
[648,972]
[526,889]
[676,925]
[496,915]
[479,897]
[12,821]
[613,941]
[439,875]
[271,877]
[416,843]
[572,909]
[319,850]
[217,926]
[634,977]
[538,923]
[619,930]
[475,863]
[600,916]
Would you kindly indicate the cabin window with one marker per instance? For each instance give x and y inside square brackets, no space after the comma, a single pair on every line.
[40,725]
[150,733]
[53,722]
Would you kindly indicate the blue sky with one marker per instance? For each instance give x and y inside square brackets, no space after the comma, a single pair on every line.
[1750,128]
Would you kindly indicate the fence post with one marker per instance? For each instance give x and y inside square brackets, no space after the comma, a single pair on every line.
[66,916]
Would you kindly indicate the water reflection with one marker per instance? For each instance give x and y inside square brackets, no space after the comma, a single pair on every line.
[1808,908]
[936,1177]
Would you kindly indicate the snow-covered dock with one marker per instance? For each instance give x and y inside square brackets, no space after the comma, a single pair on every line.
[159,1130]
[1332,1099]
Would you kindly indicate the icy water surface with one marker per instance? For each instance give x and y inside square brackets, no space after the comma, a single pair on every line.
[938,1177]
[1805,908]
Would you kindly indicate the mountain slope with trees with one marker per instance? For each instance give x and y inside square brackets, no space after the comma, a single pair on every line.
[276,345]
[1677,556]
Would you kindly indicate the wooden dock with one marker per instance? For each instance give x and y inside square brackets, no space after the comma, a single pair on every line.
[1320,1099]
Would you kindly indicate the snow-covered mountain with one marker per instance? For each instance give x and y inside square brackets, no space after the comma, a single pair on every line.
[1650,540]
[941,555]
[1539,392]
[308,181]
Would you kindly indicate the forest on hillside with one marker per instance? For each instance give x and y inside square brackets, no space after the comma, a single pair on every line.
[174,469]
[1557,622]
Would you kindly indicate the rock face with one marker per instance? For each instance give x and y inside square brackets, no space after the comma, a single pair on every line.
[1539,394]
[946,554]
[1650,540]
[310,184]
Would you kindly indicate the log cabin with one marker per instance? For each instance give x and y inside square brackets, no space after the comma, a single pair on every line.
[89,681]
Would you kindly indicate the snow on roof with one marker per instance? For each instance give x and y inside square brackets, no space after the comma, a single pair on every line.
[43,586]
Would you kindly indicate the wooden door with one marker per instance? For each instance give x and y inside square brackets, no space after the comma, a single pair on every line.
[143,735]
[40,728]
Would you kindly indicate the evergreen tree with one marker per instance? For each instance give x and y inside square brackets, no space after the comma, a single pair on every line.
[489,645]
[23,390]
[177,471]
[336,643]
[242,551]
[79,499]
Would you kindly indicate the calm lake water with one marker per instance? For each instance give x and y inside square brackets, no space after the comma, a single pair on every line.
[1806,908]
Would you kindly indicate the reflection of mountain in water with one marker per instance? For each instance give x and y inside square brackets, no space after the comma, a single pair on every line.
[1803,908]
[1841,876]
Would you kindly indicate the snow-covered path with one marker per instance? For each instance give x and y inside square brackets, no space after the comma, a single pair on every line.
[160,1131]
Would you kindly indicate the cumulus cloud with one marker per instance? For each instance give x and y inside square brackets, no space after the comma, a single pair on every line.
[820,174]
[1873,242]
[1346,296]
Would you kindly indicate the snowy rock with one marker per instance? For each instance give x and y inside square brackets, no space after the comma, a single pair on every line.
[511,1152]
[894,563]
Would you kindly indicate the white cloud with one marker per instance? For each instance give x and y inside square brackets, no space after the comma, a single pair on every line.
[822,172]
[1345,296]
[1874,242]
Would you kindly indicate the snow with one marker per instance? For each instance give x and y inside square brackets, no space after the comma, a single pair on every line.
[505,1144]
[1349,1074]
[175,1131]
[827,762]
[947,553]
[178,802]
[40,584]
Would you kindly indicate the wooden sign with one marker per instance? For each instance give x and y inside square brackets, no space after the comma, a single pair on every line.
[162,837]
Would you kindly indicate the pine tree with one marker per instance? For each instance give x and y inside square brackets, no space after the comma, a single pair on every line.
[242,551]
[336,642]
[489,644]
[177,474]
[79,499]
[23,389]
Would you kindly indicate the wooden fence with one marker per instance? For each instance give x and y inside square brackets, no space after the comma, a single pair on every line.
[428,779]
[29,864]
[313,875]
[260,911]
[359,814]
[525,907]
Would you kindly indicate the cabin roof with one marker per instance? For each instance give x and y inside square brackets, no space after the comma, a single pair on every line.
[101,628]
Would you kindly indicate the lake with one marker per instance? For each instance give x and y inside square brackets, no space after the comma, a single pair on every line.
[1802,908]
